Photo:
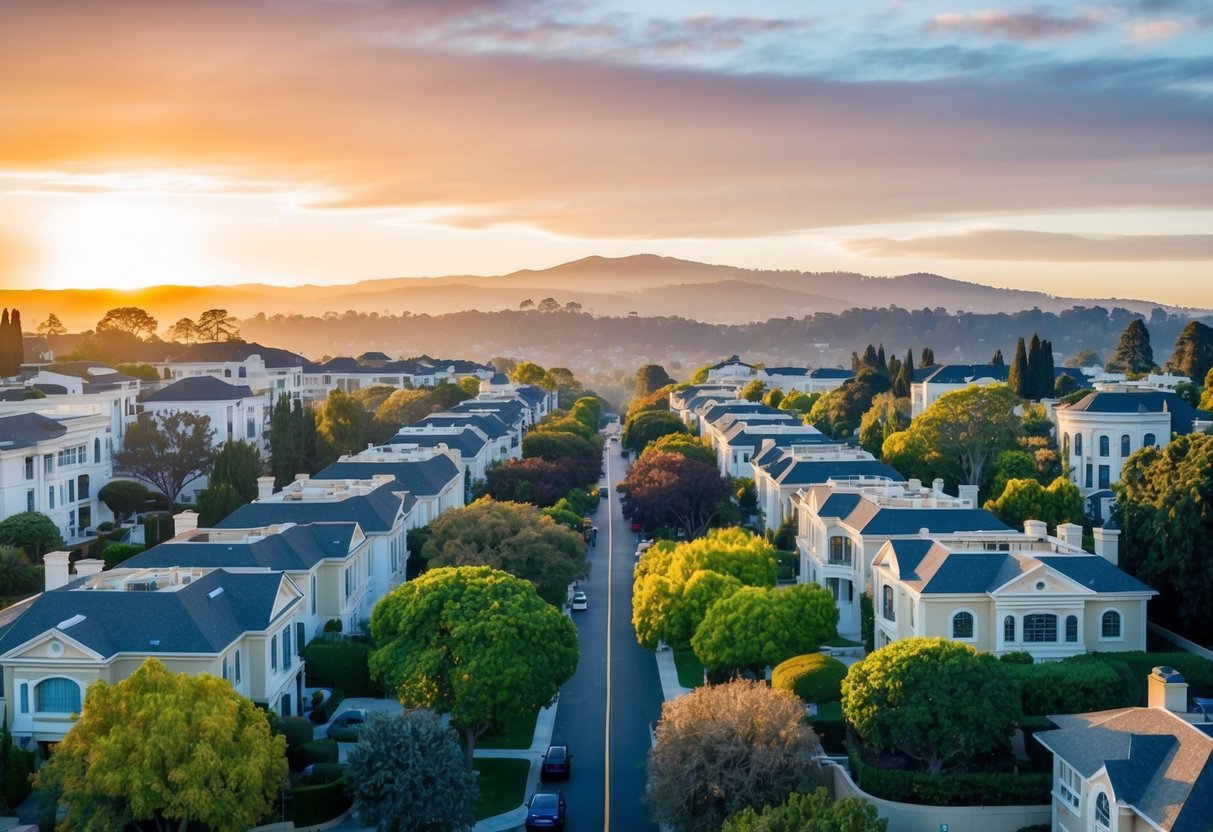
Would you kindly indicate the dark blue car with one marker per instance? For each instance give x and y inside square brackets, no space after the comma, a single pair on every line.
[545,811]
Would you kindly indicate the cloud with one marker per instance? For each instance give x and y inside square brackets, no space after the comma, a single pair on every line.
[1150,30]
[1030,25]
[1006,244]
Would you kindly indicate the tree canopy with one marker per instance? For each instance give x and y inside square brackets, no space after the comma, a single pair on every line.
[514,537]
[664,488]
[838,412]
[812,811]
[167,451]
[724,748]
[1133,352]
[887,415]
[159,748]
[51,326]
[341,424]
[648,426]
[649,379]
[1193,354]
[474,642]
[232,483]
[32,532]
[935,700]
[292,440]
[407,773]
[128,319]
[692,447]
[1027,499]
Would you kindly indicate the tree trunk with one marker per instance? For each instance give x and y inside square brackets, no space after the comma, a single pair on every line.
[469,736]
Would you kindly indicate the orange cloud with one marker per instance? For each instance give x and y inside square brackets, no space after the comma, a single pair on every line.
[1005,244]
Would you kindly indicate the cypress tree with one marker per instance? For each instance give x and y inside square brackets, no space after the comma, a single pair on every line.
[882,366]
[908,364]
[997,359]
[870,359]
[1017,377]
[17,349]
[1032,378]
[1046,373]
[1133,352]
[4,362]
[928,357]
[1193,355]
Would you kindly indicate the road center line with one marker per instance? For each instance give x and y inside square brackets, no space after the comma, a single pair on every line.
[606,769]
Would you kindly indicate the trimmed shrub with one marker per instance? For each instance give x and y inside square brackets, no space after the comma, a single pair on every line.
[339,663]
[814,677]
[325,712]
[323,773]
[114,553]
[297,731]
[1197,671]
[17,770]
[955,789]
[1072,686]
[1017,657]
[313,805]
[157,528]
[830,727]
[318,752]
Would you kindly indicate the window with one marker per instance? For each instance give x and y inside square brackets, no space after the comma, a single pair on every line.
[300,636]
[1124,445]
[224,672]
[82,484]
[840,551]
[1008,629]
[1071,629]
[1069,787]
[71,491]
[1039,627]
[29,467]
[29,500]
[886,595]
[274,653]
[313,594]
[50,497]
[1109,625]
[97,451]
[349,581]
[1105,476]
[1089,478]
[1105,447]
[250,428]
[962,625]
[1149,441]
[286,648]
[48,464]
[236,668]
[1078,444]
[57,696]
[1103,810]
[24,697]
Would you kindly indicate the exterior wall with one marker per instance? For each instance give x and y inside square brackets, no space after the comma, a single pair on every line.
[252,371]
[117,405]
[1113,426]
[923,394]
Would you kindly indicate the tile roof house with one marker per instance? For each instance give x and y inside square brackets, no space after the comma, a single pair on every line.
[1134,768]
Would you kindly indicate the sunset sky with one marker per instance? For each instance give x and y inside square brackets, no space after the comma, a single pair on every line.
[1061,147]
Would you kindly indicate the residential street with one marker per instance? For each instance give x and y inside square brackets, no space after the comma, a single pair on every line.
[609,738]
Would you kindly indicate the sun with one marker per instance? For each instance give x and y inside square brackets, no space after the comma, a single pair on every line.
[119,241]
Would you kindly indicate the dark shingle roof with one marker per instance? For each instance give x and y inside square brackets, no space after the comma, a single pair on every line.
[816,472]
[297,548]
[199,389]
[832,372]
[374,512]
[786,371]
[531,395]
[237,351]
[488,423]
[1147,401]
[423,478]
[1094,572]
[186,620]
[964,373]
[839,505]
[900,521]
[24,430]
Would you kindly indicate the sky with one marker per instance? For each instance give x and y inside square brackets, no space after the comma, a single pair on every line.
[1061,147]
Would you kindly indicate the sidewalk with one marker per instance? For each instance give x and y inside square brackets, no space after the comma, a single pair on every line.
[670,687]
[515,818]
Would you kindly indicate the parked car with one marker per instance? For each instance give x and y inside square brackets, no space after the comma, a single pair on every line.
[557,763]
[346,726]
[580,601]
[545,810]
[636,527]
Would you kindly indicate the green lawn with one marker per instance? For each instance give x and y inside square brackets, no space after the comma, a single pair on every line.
[690,671]
[502,785]
[515,735]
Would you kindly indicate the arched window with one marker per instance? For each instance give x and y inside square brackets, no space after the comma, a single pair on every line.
[1110,624]
[1124,445]
[1103,810]
[1039,627]
[1078,444]
[57,696]
[962,625]
[1071,628]
[1008,629]
[1105,447]
[1149,441]
[886,597]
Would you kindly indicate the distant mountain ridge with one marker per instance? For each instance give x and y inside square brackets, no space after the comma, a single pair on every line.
[646,284]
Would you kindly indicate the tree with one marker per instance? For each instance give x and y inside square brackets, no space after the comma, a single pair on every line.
[1018,375]
[1013,464]
[692,447]
[996,360]
[51,326]
[1032,378]
[885,417]
[238,464]
[10,360]
[1133,352]
[754,391]
[217,325]
[838,412]
[756,627]
[15,575]
[527,303]
[1162,508]
[534,480]
[183,330]
[799,403]
[648,426]
[724,748]
[340,427]
[159,750]
[1026,499]
[403,407]
[129,319]
[663,488]
[528,372]
[549,305]
[292,440]
[813,811]
[1193,354]
[773,397]
[514,537]
[407,773]
[649,379]
[474,642]
[32,532]
[934,700]
[1085,357]
[167,451]
[928,357]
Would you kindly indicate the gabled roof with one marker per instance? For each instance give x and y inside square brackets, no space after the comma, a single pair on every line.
[887,520]
[422,478]
[199,389]
[490,424]
[340,364]
[965,373]
[815,472]
[787,371]
[1094,572]
[732,360]
[221,351]
[531,394]
[375,511]
[1146,401]
[508,410]
[191,619]
[832,372]
[935,569]
[1157,763]
[717,410]
[468,441]
[25,430]
[298,548]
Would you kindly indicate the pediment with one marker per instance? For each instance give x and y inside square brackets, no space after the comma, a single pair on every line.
[53,646]
[1029,584]
[287,594]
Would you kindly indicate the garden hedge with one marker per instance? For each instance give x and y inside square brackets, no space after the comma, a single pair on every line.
[339,663]
[312,805]
[814,677]
[954,789]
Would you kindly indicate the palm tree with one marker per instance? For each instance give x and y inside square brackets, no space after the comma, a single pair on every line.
[14,570]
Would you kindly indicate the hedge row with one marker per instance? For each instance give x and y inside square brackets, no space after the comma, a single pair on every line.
[830,727]
[312,805]
[977,789]
[339,663]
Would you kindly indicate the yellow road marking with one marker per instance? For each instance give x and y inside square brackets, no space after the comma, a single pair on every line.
[606,757]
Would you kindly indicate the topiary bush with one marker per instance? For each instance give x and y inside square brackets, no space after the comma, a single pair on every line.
[1075,685]
[814,677]
[340,664]
[297,731]
[114,553]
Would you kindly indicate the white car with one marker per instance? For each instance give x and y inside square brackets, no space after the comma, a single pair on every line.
[580,601]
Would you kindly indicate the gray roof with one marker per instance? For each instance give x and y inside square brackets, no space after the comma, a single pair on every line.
[374,512]
[199,389]
[221,351]
[786,371]
[1148,401]
[901,521]
[832,372]
[509,411]
[531,395]
[191,619]
[1156,762]
[296,549]
[424,478]
[1094,572]
[490,424]
[964,373]
[468,441]
[816,472]
[25,430]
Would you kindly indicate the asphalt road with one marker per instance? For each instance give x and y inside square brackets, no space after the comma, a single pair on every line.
[609,736]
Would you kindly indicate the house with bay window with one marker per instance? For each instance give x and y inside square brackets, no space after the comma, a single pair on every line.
[239,625]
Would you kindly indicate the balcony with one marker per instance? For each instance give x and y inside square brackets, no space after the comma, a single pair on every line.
[839,559]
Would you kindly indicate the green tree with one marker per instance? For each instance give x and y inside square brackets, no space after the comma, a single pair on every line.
[340,427]
[1027,499]
[813,677]
[474,642]
[838,412]
[51,326]
[403,407]
[1162,507]
[724,748]
[238,464]
[407,773]
[528,372]
[167,451]
[217,325]
[216,502]
[1193,354]
[649,379]
[935,700]
[754,391]
[184,330]
[1133,352]
[1032,378]
[292,440]
[692,447]
[885,417]
[1206,394]
[649,425]
[1010,465]
[814,811]
[757,626]
[800,403]
[1085,357]
[124,497]
[14,575]
[773,398]
[670,489]
[129,319]
[32,532]
[1018,375]
[158,750]
[514,537]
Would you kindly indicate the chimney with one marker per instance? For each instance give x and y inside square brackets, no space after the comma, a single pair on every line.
[968,496]
[58,567]
[937,485]
[303,478]
[1167,689]
[1070,534]
[185,522]
[1035,528]
[89,566]
[265,488]
[1107,544]
[913,484]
